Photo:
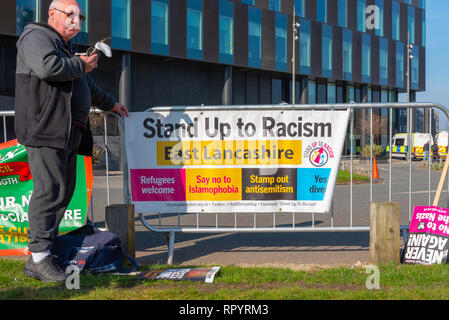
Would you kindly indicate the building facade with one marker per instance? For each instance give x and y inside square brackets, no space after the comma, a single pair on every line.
[214,52]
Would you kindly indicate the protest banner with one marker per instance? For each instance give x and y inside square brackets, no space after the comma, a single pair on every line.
[16,188]
[427,241]
[239,161]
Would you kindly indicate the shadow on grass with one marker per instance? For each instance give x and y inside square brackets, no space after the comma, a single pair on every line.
[14,285]
[31,289]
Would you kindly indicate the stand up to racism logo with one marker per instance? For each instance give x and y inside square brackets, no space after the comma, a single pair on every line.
[319,153]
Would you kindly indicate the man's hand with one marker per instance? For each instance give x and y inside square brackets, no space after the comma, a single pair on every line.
[90,61]
[120,109]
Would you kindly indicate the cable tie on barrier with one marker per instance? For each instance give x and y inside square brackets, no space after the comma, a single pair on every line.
[283,104]
[108,150]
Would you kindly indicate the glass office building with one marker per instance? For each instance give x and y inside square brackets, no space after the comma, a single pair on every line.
[183,52]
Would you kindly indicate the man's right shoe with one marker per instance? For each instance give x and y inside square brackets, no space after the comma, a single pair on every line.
[46,270]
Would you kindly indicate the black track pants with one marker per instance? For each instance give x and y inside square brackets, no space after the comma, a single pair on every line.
[54,179]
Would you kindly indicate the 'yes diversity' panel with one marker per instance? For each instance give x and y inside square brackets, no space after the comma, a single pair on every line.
[234,161]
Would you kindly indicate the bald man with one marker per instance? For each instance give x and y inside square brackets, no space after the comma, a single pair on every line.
[54,94]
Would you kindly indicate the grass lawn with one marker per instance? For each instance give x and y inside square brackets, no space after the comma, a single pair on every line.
[404,282]
[344,177]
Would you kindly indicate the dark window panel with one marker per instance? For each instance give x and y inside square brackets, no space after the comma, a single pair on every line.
[321,93]
[265,87]
[142,91]
[44,11]
[268,40]
[316,54]
[240,34]
[8,19]
[210,31]
[276,91]
[213,85]
[286,95]
[8,55]
[422,69]
[332,12]
[161,85]
[337,55]
[252,87]
[177,29]
[418,26]
[356,56]
[404,19]
[388,18]
[194,83]
[100,16]
[310,9]
[141,26]
[375,78]
[287,7]
[392,63]
[238,87]
[352,14]
[178,89]
[263,4]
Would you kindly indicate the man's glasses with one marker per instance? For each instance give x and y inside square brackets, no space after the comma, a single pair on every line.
[72,14]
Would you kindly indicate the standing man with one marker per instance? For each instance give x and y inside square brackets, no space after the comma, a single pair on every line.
[54,93]
[436,152]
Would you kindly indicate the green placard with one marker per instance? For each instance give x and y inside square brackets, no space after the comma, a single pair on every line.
[16,187]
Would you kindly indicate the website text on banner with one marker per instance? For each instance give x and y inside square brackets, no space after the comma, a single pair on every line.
[234,161]
[16,187]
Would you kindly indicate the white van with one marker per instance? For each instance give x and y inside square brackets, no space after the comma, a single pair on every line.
[418,140]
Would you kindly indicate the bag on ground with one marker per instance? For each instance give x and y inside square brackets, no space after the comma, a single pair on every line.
[90,249]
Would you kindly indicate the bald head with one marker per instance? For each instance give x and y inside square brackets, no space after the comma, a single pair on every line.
[65,17]
[55,3]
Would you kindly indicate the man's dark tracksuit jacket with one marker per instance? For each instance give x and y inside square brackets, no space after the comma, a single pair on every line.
[46,68]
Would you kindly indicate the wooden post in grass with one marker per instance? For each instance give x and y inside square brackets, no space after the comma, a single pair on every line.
[384,232]
[119,219]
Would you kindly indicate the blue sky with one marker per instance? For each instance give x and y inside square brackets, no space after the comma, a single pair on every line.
[437,57]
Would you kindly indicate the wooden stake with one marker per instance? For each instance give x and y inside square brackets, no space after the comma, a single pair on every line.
[384,232]
[119,219]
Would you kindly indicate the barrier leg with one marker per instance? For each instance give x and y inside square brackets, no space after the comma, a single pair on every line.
[171,246]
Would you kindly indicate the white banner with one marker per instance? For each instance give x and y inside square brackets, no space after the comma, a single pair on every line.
[234,161]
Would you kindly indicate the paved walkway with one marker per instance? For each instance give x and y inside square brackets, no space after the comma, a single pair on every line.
[293,250]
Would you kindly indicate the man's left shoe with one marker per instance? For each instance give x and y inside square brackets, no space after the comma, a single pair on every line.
[46,270]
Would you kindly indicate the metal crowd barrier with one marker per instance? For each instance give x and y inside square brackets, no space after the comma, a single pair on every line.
[233,225]
[173,224]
